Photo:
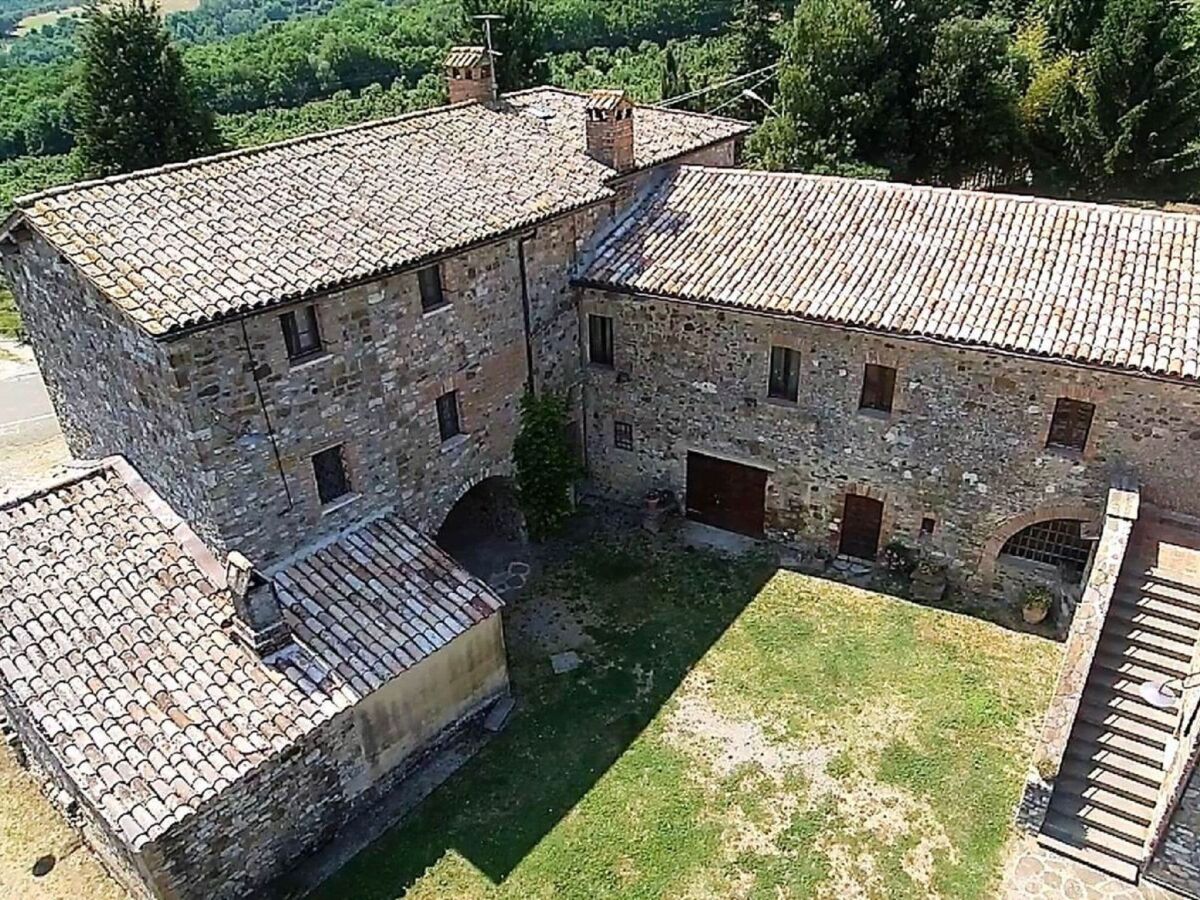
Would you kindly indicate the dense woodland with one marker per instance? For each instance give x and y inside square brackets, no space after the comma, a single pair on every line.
[1095,98]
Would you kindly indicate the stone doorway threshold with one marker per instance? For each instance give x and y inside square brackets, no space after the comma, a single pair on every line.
[307,874]
[707,537]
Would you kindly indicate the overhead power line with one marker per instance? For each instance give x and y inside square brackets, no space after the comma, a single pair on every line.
[716,87]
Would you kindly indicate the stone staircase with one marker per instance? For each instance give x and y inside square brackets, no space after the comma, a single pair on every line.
[1109,781]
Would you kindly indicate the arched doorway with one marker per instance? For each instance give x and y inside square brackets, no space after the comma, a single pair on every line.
[484,529]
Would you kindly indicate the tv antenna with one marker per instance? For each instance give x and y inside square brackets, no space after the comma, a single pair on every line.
[487,19]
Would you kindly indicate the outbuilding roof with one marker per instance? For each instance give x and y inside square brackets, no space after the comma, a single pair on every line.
[189,244]
[1088,283]
[115,642]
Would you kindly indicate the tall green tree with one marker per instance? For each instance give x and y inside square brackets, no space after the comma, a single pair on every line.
[754,43]
[519,37]
[1139,127]
[967,103]
[135,106]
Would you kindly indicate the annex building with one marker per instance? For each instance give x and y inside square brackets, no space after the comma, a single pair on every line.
[301,364]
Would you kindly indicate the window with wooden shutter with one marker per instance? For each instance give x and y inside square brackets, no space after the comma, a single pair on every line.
[1070,424]
[429,280]
[879,385]
[301,333]
[784,381]
[600,340]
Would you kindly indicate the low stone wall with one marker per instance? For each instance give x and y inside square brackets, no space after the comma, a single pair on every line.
[1119,515]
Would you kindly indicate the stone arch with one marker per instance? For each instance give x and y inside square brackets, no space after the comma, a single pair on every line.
[484,525]
[995,543]
[446,500]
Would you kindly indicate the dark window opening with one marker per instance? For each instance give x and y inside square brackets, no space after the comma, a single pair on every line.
[447,413]
[927,525]
[1057,542]
[1071,423]
[623,435]
[600,340]
[330,470]
[429,280]
[301,333]
[879,384]
[784,382]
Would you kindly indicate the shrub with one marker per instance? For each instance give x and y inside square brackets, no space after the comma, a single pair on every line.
[546,466]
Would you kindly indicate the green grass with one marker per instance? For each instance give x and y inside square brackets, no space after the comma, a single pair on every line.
[887,745]
[10,319]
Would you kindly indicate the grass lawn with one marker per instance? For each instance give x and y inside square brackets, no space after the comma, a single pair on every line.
[733,732]
[10,320]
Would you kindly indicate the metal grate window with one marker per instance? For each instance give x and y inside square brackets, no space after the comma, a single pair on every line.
[600,340]
[784,382]
[1056,542]
[879,384]
[623,435]
[1071,423]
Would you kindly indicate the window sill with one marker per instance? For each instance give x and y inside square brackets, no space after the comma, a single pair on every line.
[341,502]
[434,310]
[451,444]
[308,360]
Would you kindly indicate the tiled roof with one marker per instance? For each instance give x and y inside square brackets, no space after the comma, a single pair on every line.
[192,243]
[465,57]
[1082,282]
[114,642]
[606,99]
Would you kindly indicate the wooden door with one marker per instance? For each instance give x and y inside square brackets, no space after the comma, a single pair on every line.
[726,494]
[862,519]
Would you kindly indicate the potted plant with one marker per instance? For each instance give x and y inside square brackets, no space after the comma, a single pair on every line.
[1036,605]
[929,579]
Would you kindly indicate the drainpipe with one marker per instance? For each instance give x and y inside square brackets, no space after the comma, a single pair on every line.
[525,311]
[266,416]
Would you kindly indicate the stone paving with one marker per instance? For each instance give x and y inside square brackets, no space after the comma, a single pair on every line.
[1034,872]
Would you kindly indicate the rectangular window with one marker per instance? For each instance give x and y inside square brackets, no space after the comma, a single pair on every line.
[927,525]
[1071,423]
[622,435]
[600,340]
[330,470]
[447,413]
[301,333]
[879,384]
[784,382]
[429,280]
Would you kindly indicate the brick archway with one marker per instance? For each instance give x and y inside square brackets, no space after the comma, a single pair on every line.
[447,500]
[1010,526]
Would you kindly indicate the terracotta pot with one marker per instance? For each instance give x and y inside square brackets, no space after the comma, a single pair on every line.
[1034,614]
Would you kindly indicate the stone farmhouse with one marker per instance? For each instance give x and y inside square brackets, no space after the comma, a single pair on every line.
[301,364]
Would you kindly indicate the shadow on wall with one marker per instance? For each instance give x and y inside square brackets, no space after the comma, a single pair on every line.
[640,620]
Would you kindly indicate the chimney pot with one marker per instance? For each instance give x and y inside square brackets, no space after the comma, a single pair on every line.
[470,74]
[610,129]
[257,616]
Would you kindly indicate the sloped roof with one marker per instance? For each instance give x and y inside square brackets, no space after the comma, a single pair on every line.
[189,244]
[465,57]
[114,642]
[1095,284]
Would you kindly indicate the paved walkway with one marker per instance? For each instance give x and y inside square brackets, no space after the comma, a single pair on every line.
[1033,872]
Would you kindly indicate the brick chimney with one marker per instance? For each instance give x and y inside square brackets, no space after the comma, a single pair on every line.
[470,74]
[610,129]
[257,617]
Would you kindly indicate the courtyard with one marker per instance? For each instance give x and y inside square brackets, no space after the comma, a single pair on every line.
[730,730]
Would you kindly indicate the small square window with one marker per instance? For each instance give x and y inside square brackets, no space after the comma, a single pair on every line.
[1071,423]
[301,333]
[429,280]
[927,525]
[879,384]
[330,470]
[447,414]
[600,340]
[784,381]
[623,435]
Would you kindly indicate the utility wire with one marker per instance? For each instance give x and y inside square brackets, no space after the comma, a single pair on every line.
[754,87]
[715,87]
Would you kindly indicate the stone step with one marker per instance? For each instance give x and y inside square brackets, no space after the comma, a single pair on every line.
[1165,592]
[1112,761]
[1091,856]
[1133,788]
[1154,642]
[1095,816]
[1102,706]
[1124,741]
[1072,790]
[1077,834]
[1114,654]
[1136,617]
[1127,681]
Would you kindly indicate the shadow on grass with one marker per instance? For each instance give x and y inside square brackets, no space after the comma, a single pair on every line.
[652,613]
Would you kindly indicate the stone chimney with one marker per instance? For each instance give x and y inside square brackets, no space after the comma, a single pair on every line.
[610,129]
[470,74]
[257,617]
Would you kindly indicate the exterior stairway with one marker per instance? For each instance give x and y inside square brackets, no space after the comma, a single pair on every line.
[1107,787]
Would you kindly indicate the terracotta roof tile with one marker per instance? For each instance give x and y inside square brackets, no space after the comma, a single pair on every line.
[1096,284]
[192,243]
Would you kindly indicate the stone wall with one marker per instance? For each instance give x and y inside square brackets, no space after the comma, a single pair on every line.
[112,386]
[1176,861]
[963,445]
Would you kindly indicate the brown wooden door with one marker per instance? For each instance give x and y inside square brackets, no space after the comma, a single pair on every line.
[861,520]
[726,494]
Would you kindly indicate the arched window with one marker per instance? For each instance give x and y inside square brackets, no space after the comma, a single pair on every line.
[1055,541]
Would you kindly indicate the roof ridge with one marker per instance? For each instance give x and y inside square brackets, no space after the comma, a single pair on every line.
[942,189]
[23,201]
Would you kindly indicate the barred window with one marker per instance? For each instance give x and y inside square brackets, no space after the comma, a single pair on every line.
[1071,423]
[623,435]
[879,384]
[1056,541]
[784,381]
